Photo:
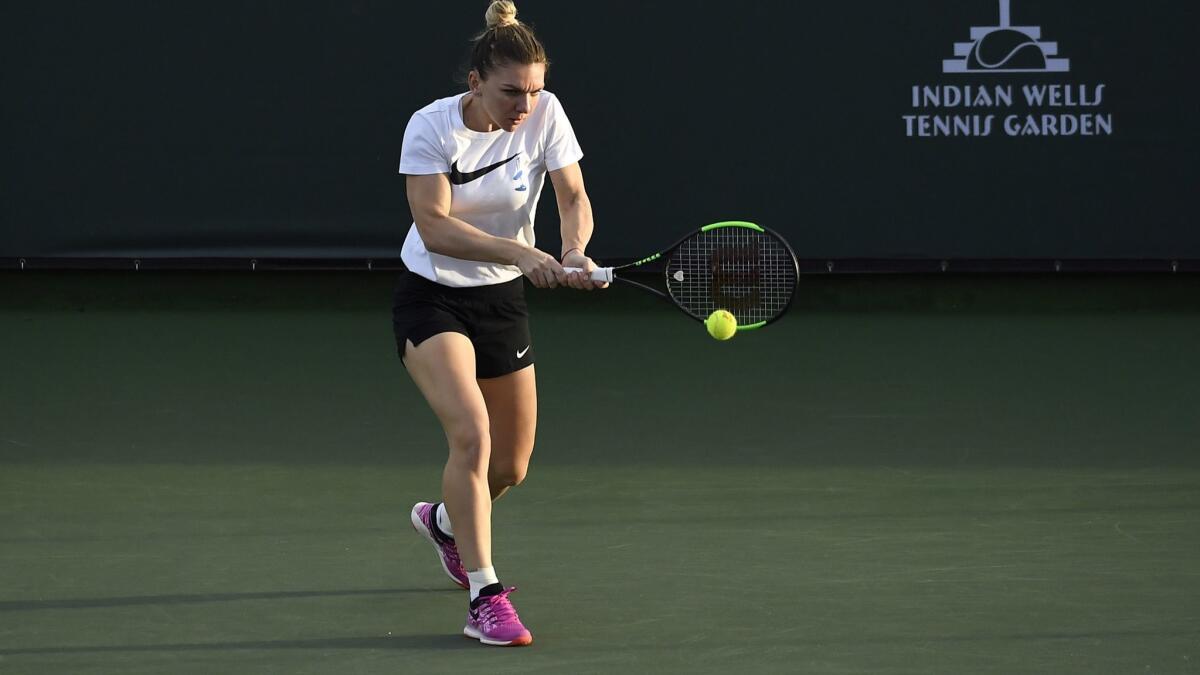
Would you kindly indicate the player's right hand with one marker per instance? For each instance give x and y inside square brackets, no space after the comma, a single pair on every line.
[541,269]
[581,280]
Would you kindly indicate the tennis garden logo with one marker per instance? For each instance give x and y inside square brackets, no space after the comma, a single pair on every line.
[1005,48]
[996,85]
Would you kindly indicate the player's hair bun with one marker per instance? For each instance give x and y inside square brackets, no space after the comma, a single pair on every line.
[505,41]
[501,13]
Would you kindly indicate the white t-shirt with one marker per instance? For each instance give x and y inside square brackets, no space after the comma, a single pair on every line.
[502,201]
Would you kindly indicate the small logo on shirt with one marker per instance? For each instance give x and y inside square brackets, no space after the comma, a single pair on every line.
[522,187]
[521,352]
[459,178]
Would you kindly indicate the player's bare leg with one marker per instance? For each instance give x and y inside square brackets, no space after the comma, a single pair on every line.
[512,410]
[443,368]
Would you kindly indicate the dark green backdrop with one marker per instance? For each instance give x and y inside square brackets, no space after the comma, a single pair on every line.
[272,129]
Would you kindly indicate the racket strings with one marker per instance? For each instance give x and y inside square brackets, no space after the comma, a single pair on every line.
[752,274]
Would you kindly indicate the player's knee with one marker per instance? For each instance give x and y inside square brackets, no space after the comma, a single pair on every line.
[470,446]
[511,475]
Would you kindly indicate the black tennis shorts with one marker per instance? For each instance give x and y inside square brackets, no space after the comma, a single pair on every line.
[495,318]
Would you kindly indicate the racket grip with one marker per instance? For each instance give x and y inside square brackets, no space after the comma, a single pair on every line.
[604,274]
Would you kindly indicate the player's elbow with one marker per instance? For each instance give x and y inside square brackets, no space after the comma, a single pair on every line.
[575,199]
[432,235]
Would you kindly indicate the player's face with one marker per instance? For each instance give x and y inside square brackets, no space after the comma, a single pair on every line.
[510,93]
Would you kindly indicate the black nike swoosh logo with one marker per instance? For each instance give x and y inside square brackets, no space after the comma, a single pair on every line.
[459,178]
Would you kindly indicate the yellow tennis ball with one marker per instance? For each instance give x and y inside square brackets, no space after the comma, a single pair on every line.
[721,325]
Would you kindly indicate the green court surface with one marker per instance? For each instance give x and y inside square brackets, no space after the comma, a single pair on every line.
[211,473]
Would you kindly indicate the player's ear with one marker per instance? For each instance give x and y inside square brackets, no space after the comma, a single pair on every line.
[473,81]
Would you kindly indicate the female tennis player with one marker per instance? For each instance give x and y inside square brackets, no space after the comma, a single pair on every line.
[475,164]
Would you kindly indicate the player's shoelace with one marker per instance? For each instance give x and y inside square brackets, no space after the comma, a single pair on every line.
[451,553]
[497,610]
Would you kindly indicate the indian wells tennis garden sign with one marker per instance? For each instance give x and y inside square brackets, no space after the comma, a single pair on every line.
[1036,107]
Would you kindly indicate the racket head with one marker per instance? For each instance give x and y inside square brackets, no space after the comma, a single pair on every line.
[738,266]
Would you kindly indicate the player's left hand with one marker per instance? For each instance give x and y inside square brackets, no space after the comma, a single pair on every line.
[581,280]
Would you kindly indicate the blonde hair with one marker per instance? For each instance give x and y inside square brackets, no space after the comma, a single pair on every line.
[501,13]
[505,40]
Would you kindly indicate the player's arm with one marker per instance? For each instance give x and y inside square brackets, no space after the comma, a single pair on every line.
[575,214]
[429,201]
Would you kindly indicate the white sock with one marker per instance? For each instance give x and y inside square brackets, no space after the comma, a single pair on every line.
[443,520]
[484,576]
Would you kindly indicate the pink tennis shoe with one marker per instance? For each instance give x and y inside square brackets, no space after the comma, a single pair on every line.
[423,518]
[493,621]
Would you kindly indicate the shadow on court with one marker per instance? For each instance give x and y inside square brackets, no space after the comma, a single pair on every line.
[91,603]
[441,642]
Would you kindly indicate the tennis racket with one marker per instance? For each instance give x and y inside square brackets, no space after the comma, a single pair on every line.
[733,265]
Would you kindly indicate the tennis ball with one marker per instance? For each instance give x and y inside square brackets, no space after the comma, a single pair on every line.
[721,325]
